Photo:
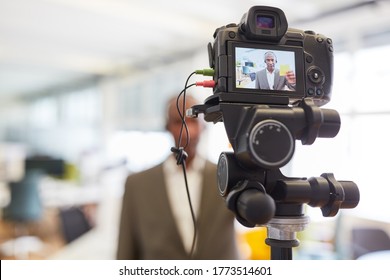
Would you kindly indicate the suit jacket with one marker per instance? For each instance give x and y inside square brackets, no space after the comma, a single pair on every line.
[262,82]
[148,229]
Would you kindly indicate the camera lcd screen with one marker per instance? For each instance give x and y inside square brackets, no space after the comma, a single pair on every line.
[269,70]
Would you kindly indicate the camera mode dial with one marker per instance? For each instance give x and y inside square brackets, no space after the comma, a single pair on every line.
[271,144]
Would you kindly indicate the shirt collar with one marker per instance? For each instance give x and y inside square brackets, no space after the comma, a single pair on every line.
[269,72]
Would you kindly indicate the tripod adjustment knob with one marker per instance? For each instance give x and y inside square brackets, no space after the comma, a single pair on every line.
[271,143]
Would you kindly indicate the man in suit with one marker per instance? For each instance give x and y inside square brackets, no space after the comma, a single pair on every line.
[270,78]
[156,221]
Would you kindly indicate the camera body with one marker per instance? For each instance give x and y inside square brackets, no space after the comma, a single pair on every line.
[239,53]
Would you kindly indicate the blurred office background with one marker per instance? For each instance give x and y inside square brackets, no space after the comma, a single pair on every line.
[82,88]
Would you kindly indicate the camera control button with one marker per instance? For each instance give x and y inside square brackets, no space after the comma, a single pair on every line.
[309,59]
[310,91]
[319,91]
[310,32]
[231,25]
[329,41]
[320,40]
[232,35]
[315,75]
[294,35]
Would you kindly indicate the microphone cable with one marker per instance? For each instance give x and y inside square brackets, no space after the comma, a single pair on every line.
[181,155]
[179,151]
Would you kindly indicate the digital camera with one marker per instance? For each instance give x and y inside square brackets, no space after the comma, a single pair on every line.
[299,63]
[269,82]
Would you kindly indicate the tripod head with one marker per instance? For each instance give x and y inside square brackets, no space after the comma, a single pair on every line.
[263,139]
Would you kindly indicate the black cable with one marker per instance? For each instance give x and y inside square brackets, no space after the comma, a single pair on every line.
[181,155]
[182,114]
[192,211]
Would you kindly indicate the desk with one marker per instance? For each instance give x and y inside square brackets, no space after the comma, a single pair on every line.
[100,242]
[40,238]
[48,231]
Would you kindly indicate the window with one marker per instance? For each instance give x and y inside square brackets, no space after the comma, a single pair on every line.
[360,152]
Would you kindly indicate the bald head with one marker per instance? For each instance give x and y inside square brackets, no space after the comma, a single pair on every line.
[270,60]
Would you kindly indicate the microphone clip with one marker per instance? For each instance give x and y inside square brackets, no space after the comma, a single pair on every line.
[180,155]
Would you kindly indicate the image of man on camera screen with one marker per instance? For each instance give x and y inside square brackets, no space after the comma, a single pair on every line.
[273,75]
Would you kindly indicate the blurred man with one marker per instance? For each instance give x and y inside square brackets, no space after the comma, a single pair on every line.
[156,221]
